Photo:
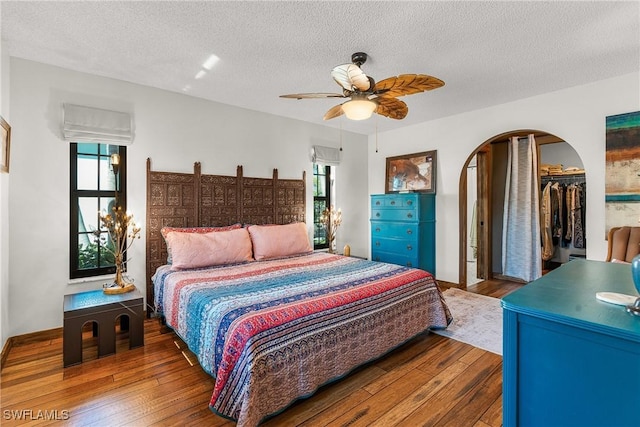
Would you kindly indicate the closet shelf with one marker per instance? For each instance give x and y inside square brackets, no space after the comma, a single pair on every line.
[564,174]
[571,178]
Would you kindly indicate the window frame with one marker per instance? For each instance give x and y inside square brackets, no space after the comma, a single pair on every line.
[75,272]
[326,199]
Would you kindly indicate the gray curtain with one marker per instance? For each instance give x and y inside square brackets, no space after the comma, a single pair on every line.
[521,250]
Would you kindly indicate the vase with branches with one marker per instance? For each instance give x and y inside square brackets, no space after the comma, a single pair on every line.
[331,220]
[122,231]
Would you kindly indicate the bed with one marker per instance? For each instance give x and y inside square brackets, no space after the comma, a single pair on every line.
[269,318]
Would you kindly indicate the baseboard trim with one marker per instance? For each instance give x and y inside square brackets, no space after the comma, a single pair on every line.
[29,338]
[5,351]
[444,284]
[33,337]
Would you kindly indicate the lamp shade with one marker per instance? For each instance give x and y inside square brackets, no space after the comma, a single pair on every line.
[359,109]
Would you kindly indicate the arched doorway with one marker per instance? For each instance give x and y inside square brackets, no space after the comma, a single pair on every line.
[483,163]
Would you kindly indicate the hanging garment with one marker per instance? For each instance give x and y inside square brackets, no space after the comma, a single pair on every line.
[545,223]
[564,219]
[557,203]
[473,235]
[570,201]
[575,218]
[578,225]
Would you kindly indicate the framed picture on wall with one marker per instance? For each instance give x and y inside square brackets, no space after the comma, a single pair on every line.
[5,133]
[412,172]
[621,183]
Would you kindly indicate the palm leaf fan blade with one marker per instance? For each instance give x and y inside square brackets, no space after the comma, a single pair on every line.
[350,77]
[312,95]
[333,112]
[392,108]
[358,78]
[406,84]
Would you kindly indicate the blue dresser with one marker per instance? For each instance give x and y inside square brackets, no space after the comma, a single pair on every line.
[403,230]
[569,358]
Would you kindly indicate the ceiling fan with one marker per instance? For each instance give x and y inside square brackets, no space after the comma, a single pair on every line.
[367,96]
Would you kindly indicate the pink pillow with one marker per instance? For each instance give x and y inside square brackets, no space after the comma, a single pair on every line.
[195,250]
[272,241]
[166,230]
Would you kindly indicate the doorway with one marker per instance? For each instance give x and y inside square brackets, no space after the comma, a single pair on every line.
[481,193]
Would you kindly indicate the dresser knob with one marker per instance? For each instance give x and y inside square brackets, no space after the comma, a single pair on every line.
[409,264]
[377,243]
[378,229]
[378,214]
[409,215]
[393,202]
[409,231]
[409,247]
[409,202]
[377,202]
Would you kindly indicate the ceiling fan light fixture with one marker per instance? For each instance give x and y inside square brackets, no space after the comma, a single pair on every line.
[359,109]
[367,96]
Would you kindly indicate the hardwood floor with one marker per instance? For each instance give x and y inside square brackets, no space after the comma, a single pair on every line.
[430,381]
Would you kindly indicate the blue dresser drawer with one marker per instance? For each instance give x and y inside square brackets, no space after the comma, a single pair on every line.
[424,206]
[394,201]
[407,247]
[394,229]
[393,258]
[402,214]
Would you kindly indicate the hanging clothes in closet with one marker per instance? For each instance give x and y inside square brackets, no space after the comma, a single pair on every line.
[562,213]
[552,212]
[575,201]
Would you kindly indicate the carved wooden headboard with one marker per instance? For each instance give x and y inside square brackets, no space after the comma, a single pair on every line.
[197,200]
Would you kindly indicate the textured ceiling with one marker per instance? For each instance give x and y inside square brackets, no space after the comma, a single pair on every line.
[487,53]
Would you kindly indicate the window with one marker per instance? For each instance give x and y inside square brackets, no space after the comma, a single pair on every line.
[93,188]
[321,201]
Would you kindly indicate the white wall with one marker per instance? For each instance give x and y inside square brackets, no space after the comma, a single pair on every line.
[560,153]
[4,206]
[576,115]
[172,129]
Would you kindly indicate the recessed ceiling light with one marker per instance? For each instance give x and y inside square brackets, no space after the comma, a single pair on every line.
[201,74]
[187,88]
[210,62]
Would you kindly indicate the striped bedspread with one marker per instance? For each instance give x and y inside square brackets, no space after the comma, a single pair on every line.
[273,331]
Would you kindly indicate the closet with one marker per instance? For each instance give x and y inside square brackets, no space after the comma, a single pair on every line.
[558,162]
[482,190]
[562,205]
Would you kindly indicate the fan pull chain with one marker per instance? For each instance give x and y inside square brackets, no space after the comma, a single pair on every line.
[340,133]
[376,135]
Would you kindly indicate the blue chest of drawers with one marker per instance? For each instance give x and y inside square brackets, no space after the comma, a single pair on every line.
[403,230]
[569,358]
